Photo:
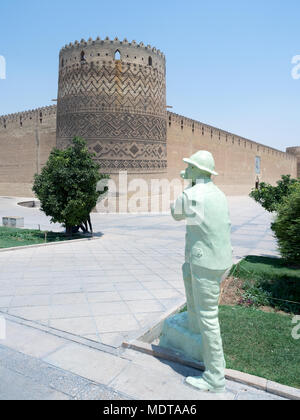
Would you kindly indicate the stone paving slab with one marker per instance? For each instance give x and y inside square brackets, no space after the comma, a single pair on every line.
[92,364]
[31,341]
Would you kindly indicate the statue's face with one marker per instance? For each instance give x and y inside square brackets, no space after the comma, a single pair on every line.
[193,173]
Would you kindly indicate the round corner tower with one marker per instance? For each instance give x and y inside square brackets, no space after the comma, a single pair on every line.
[296,152]
[113,94]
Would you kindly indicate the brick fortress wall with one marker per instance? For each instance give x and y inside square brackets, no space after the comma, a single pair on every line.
[26,140]
[235,156]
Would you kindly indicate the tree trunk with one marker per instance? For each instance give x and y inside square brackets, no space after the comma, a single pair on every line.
[69,230]
[90,224]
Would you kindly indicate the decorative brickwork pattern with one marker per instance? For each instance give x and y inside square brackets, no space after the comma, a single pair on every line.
[119,87]
[117,106]
[111,125]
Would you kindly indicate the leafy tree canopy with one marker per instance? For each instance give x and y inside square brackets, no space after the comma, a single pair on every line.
[67,184]
[270,196]
[287,226]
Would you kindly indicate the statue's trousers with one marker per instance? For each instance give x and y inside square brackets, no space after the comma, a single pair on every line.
[203,292]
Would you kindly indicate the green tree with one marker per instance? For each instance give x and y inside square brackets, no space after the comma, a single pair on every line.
[287,226]
[67,185]
[270,196]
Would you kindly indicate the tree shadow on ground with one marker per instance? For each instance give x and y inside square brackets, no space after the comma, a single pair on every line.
[98,234]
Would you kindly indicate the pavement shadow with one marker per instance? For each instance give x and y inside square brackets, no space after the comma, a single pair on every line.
[98,234]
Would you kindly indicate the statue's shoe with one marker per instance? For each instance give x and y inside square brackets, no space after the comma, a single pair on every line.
[202,385]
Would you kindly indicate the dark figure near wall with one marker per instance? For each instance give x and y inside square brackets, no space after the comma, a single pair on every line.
[257,183]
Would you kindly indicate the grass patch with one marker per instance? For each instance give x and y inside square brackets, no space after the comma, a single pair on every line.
[269,282]
[10,237]
[260,344]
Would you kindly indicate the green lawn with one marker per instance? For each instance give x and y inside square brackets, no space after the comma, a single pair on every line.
[10,237]
[261,344]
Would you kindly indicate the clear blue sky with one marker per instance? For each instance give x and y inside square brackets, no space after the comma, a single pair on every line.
[228,62]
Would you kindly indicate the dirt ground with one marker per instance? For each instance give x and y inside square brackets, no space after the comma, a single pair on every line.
[231,293]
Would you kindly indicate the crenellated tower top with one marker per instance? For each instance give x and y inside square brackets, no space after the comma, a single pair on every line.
[108,51]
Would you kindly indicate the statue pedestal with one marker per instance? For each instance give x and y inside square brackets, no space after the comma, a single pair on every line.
[178,337]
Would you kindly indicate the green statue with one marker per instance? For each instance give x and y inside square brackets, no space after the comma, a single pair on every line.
[208,258]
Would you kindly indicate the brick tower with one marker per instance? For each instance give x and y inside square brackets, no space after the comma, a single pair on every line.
[113,94]
[295,151]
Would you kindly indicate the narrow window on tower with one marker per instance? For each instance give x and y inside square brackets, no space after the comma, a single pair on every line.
[150,62]
[117,55]
[82,56]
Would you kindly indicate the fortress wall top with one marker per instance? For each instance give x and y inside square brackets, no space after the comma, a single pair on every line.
[294,150]
[28,118]
[104,52]
[227,137]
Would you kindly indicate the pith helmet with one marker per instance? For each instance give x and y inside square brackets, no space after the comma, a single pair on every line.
[204,161]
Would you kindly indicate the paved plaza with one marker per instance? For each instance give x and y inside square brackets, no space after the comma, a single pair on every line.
[70,306]
[117,285]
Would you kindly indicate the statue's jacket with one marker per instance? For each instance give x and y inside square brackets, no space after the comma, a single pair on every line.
[208,236]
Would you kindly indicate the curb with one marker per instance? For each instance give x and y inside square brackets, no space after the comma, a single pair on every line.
[61,334]
[18,248]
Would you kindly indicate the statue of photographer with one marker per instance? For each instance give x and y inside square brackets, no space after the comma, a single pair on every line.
[208,258]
